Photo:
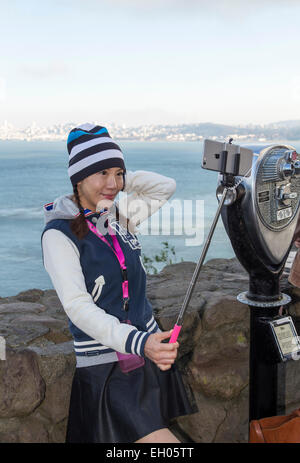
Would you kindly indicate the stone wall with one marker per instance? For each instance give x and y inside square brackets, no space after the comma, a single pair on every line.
[213,356]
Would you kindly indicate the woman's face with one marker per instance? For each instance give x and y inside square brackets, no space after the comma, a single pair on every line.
[105,184]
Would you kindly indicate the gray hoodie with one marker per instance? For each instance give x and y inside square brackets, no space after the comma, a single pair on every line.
[62,208]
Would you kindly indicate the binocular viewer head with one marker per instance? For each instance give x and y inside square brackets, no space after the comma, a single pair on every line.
[261,207]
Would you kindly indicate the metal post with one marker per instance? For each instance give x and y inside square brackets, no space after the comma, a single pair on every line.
[266,380]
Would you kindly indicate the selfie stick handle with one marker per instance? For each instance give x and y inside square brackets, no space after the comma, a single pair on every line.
[178,325]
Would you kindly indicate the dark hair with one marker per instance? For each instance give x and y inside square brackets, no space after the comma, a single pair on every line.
[79,226]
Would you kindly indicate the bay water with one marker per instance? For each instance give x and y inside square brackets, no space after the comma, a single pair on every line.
[35,173]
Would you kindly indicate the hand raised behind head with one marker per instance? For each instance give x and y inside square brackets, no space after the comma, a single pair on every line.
[104,203]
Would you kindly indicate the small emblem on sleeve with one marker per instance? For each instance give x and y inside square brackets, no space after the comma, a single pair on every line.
[99,283]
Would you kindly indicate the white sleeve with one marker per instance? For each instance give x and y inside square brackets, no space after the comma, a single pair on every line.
[61,261]
[146,193]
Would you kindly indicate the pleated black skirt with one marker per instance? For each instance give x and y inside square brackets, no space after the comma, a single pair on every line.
[109,406]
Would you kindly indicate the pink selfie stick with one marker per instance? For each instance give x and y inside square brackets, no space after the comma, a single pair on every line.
[175,333]
[189,292]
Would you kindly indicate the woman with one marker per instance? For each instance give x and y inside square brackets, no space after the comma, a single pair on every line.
[93,257]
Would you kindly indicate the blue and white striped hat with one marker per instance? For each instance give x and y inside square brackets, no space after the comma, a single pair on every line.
[91,149]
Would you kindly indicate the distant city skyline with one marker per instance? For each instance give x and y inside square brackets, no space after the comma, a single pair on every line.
[135,63]
[281,130]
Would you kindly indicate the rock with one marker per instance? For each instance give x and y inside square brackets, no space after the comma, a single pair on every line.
[16,332]
[234,427]
[221,377]
[40,320]
[202,426]
[57,434]
[53,304]
[213,357]
[32,430]
[219,363]
[16,336]
[217,421]
[31,295]
[57,367]
[21,308]
[54,360]
[57,398]
[24,323]
[22,388]
[9,430]
[230,342]
[221,310]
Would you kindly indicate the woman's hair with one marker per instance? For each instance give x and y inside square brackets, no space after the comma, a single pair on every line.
[79,226]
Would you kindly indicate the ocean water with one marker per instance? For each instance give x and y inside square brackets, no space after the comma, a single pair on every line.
[35,173]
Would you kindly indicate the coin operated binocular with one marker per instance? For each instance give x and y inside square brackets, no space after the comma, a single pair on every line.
[261,213]
[259,194]
[259,187]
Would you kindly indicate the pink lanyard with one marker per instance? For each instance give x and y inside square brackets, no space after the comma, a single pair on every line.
[120,256]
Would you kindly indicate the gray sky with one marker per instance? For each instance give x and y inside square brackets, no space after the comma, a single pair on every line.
[133,62]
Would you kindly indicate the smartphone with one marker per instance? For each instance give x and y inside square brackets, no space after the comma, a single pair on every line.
[238,161]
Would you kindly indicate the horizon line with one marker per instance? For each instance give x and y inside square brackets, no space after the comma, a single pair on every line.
[124,124]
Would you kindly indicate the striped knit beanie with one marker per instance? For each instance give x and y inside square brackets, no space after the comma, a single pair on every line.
[91,149]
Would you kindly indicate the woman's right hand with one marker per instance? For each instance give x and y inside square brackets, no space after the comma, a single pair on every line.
[163,354]
[104,203]
[297,243]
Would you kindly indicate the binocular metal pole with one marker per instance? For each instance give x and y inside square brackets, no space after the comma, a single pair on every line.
[266,379]
[189,292]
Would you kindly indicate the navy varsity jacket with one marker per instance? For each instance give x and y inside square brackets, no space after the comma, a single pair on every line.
[103,279]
